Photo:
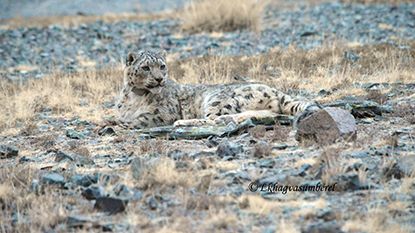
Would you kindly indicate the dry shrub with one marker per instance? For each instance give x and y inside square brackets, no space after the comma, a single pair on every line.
[328,164]
[78,93]
[222,15]
[376,220]
[158,172]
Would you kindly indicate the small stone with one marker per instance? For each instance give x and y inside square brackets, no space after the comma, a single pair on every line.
[79,160]
[326,126]
[93,192]
[78,221]
[110,205]
[266,163]
[122,191]
[35,186]
[359,154]
[351,56]
[308,33]
[138,167]
[228,149]
[152,203]
[177,154]
[7,152]
[323,227]
[70,133]
[345,182]
[26,159]
[53,178]
[303,169]
[106,131]
[365,112]
[324,92]
[84,180]
[61,156]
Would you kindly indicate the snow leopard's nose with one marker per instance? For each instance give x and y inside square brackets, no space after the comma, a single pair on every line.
[159,79]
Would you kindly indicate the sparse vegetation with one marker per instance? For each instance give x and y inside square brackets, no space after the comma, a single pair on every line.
[222,15]
[79,93]
[84,93]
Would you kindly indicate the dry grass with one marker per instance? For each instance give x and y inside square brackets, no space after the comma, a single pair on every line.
[158,172]
[39,212]
[78,93]
[377,220]
[82,94]
[313,70]
[222,15]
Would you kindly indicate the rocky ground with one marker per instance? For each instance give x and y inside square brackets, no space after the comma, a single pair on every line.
[63,172]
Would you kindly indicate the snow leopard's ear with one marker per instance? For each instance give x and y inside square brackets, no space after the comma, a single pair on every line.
[162,53]
[131,57]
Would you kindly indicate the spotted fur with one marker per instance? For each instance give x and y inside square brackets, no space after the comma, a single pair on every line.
[149,98]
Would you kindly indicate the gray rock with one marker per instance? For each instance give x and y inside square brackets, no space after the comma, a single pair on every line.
[346,182]
[326,126]
[365,112]
[177,154]
[93,192]
[359,154]
[107,131]
[77,221]
[138,167]
[122,191]
[35,186]
[110,205]
[53,178]
[70,133]
[61,156]
[152,203]
[84,180]
[80,221]
[351,56]
[79,160]
[323,227]
[228,149]
[266,163]
[302,171]
[26,159]
[7,152]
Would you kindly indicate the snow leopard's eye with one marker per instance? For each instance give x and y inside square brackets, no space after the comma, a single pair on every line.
[162,67]
[146,68]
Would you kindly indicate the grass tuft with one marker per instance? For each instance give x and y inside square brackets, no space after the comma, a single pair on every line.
[222,15]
